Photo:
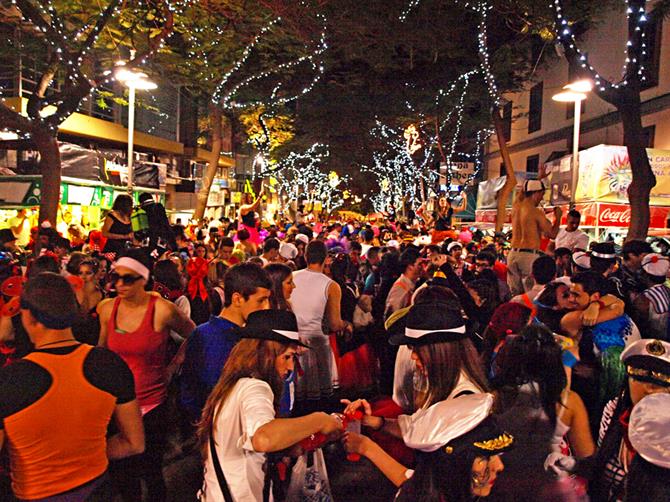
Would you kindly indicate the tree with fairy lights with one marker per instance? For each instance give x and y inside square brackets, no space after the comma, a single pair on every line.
[68,40]
[248,64]
[305,177]
[623,94]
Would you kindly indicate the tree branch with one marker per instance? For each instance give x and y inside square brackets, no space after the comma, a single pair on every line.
[14,120]
[34,16]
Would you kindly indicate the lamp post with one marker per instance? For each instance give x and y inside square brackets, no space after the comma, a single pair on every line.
[133,80]
[574,93]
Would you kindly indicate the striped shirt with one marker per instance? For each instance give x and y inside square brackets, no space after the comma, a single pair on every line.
[659,298]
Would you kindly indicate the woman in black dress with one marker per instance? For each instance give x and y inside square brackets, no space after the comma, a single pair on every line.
[117,228]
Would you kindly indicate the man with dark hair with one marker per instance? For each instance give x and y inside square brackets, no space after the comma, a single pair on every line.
[225,252]
[400,295]
[270,250]
[486,260]
[629,273]
[316,299]
[571,237]
[652,307]
[604,262]
[603,330]
[56,403]
[246,289]
[563,259]
[544,271]
[529,224]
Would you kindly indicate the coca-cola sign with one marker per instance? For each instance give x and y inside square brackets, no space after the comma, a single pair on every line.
[617,216]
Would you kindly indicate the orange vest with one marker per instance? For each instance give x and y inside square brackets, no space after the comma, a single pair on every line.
[58,443]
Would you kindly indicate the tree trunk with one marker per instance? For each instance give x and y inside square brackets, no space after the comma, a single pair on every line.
[643,179]
[215,117]
[50,168]
[510,181]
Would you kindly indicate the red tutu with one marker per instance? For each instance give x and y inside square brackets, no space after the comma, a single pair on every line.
[357,368]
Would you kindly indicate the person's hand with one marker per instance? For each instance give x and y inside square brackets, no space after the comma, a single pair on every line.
[356,443]
[330,423]
[558,212]
[590,315]
[361,404]
[561,465]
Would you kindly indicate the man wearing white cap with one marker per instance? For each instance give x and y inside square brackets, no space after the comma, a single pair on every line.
[529,224]
[653,305]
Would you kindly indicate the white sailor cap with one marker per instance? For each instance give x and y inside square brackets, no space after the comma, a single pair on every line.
[656,264]
[582,259]
[649,429]
[454,244]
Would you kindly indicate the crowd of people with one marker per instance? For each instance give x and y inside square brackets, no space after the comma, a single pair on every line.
[531,366]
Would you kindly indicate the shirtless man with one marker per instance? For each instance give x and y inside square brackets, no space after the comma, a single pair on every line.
[529,223]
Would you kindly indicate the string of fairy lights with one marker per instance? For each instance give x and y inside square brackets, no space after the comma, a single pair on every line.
[303,176]
[70,48]
[636,46]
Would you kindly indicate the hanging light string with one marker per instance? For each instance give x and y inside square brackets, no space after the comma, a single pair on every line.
[70,52]
[225,94]
[636,47]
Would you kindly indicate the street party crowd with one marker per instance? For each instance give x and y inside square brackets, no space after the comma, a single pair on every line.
[461,364]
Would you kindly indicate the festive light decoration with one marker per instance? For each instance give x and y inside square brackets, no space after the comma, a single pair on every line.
[633,65]
[303,176]
[70,48]
[225,93]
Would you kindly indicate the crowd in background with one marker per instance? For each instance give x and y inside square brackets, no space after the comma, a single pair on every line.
[259,345]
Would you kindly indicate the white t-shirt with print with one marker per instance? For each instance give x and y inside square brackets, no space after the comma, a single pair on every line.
[248,407]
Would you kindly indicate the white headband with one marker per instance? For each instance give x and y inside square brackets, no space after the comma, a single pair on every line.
[293,335]
[418,333]
[606,256]
[133,265]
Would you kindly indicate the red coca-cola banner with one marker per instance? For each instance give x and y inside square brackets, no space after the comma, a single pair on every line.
[618,215]
[602,214]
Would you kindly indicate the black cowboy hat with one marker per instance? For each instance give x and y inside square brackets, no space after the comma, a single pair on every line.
[277,325]
[430,323]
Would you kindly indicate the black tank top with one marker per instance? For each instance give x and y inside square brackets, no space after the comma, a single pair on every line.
[118,227]
[249,219]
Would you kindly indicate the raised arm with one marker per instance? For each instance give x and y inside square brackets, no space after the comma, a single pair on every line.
[550,229]
[463,205]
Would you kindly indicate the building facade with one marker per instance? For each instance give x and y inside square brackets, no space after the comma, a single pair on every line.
[540,130]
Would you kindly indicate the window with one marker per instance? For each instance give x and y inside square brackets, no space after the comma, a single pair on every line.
[507,121]
[535,108]
[502,169]
[652,60]
[533,164]
[648,134]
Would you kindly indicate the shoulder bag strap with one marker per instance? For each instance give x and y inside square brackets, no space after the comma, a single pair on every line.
[223,484]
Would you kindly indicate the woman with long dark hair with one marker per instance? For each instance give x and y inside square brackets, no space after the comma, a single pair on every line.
[552,304]
[539,411]
[117,228]
[282,285]
[458,446]
[447,365]
[239,425]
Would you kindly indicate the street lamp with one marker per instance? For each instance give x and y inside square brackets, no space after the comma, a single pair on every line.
[574,93]
[133,80]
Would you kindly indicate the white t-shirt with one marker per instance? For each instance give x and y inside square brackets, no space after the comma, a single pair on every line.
[572,240]
[247,408]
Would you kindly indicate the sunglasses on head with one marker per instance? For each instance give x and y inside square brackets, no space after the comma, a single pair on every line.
[126,279]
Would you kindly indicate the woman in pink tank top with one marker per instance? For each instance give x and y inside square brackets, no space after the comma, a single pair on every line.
[136,325]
